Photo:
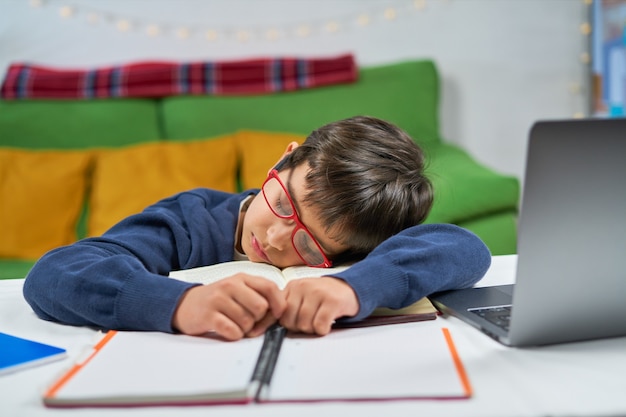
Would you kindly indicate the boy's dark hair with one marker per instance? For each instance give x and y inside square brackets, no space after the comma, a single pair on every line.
[366,181]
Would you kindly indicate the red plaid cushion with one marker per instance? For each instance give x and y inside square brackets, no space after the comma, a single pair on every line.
[159,79]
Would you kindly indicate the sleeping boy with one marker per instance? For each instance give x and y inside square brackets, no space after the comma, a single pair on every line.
[355,191]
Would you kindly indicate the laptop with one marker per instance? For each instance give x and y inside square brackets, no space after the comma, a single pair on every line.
[571,269]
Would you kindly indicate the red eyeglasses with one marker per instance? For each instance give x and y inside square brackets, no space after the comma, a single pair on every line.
[281,204]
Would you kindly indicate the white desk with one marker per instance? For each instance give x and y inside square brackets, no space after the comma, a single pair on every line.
[586,379]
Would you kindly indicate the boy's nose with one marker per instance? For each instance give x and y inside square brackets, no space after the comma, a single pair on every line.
[279,234]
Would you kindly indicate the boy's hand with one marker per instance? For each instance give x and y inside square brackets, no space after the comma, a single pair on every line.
[313,304]
[231,307]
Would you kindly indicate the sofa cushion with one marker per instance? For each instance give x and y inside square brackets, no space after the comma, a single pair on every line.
[259,152]
[466,189]
[41,196]
[502,243]
[128,179]
[15,268]
[161,78]
[405,94]
[77,124]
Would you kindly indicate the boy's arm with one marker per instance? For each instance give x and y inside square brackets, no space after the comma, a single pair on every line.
[408,266]
[119,280]
[93,284]
[415,263]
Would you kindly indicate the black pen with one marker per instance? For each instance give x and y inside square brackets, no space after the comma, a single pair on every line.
[264,369]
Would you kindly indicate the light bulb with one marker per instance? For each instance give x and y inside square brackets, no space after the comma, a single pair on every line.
[332,26]
[123,25]
[419,4]
[243,35]
[303,31]
[585,28]
[153,30]
[66,11]
[363,20]
[390,13]
[183,33]
[93,18]
[272,34]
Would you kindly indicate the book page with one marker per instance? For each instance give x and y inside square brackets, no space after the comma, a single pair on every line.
[421,306]
[212,273]
[151,368]
[298,272]
[412,360]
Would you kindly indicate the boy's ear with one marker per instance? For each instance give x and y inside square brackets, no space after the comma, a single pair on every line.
[290,147]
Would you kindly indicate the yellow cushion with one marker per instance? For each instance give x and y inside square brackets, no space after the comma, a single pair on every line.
[41,197]
[127,180]
[259,152]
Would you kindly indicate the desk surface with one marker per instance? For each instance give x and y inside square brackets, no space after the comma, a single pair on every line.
[586,378]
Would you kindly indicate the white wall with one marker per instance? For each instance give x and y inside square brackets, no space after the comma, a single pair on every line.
[504,63]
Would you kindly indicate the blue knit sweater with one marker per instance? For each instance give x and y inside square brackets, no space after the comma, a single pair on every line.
[120,280]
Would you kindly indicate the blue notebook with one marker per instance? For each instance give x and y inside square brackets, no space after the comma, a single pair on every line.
[17,353]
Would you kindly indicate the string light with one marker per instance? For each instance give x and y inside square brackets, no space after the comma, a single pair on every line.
[123,25]
[363,20]
[153,30]
[360,19]
[575,88]
[332,26]
[93,18]
[303,31]
[585,28]
[183,33]
[585,58]
[243,35]
[419,4]
[578,88]
[211,35]
[390,13]
[272,34]
[66,12]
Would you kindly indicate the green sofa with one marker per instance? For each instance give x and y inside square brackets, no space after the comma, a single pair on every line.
[48,132]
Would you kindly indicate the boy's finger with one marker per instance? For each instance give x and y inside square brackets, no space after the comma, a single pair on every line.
[262,325]
[270,291]
[254,303]
[245,299]
[290,316]
[237,313]
[324,319]
[226,328]
[307,313]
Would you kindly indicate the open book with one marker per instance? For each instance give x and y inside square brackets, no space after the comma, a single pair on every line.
[418,311]
[403,361]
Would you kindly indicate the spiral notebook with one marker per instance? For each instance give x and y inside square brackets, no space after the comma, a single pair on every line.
[400,361]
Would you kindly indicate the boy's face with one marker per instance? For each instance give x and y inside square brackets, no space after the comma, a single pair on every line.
[267,237]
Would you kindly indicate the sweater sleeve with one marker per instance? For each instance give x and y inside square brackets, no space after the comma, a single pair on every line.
[89,284]
[119,281]
[415,263]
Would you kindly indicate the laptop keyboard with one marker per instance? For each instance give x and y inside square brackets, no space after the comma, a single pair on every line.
[500,316]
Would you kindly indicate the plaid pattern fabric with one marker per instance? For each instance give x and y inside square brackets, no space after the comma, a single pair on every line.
[159,79]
